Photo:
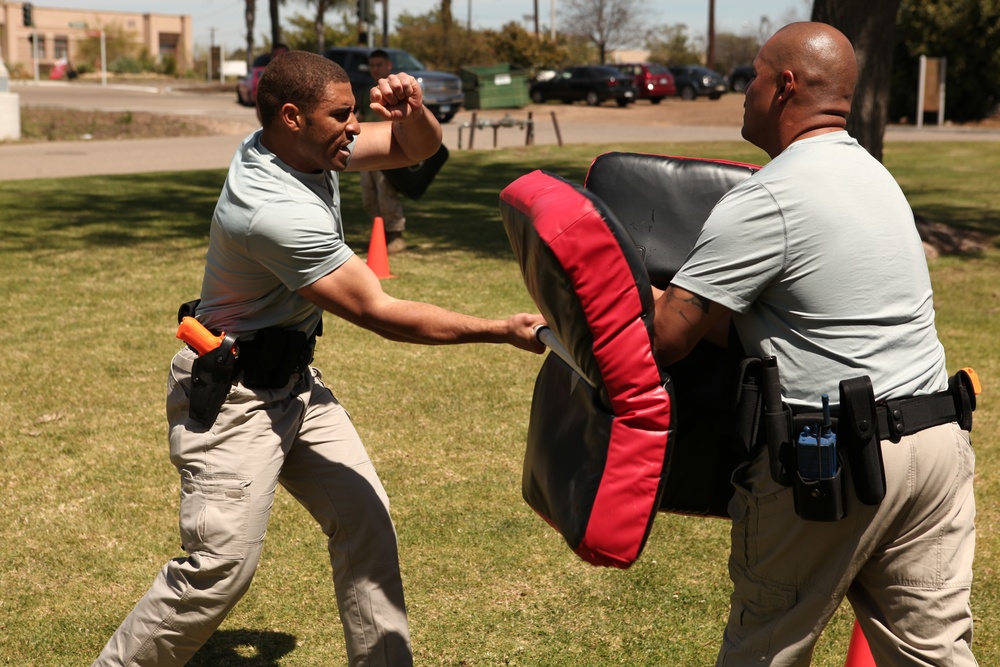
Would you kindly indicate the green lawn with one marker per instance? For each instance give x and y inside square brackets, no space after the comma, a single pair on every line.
[93,270]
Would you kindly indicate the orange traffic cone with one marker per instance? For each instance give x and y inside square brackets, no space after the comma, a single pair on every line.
[858,653]
[378,255]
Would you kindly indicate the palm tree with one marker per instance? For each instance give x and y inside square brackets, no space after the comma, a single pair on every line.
[251,11]
[275,22]
[322,7]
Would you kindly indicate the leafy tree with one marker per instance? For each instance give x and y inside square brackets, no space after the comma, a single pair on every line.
[513,44]
[967,34]
[319,21]
[732,49]
[424,37]
[119,45]
[579,49]
[300,33]
[672,45]
[871,27]
[608,24]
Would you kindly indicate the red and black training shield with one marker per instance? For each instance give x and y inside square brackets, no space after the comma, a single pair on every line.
[609,444]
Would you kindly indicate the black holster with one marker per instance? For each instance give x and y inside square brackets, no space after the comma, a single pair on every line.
[777,421]
[858,435]
[211,378]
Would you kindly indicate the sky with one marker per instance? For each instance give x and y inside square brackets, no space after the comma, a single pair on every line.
[226,16]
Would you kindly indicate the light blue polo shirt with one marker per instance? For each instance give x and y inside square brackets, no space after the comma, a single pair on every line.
[818,257]
[275,230]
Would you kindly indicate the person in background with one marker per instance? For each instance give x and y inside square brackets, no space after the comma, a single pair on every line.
[378,196]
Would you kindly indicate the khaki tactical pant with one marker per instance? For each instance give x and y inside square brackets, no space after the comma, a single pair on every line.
[379,198]
[298,436]
[904,565]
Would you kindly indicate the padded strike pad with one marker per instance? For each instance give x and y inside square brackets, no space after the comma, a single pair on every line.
[662,201]
[598,446]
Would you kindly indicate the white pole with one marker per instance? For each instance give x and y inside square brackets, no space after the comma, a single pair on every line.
[210,49]
[104,61]
[552,20]
[34,48]
[222,63]
[921,86]
[943,68]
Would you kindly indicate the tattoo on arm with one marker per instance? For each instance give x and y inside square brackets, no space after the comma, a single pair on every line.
[699,302]
[695,300]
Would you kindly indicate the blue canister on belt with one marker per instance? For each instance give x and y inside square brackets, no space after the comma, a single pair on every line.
[816,448]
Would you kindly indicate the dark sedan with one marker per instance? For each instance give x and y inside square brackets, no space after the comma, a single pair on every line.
[591,83]
[694,81]
[739,77]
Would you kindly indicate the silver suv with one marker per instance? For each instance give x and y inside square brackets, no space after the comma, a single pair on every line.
[442,91]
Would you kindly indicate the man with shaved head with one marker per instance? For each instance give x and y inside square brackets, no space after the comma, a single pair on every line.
[816,261]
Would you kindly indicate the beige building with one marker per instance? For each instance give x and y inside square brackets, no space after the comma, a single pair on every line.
[60,31]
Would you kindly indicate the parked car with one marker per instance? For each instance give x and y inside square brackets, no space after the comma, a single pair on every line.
[591,83]
[246,85]
[695,81]
[442,90]
[652,82]
[739,77]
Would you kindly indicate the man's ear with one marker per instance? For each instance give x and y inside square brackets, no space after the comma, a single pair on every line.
[292,117]
[787,83]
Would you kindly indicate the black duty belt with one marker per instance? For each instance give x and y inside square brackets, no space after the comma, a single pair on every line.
[905,416]
[897,417]
[273,355]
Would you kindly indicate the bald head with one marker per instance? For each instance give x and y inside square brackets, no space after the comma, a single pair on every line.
[805,78]
[820,55]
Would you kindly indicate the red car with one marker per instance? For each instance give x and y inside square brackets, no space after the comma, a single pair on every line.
[246,86]
[653,82]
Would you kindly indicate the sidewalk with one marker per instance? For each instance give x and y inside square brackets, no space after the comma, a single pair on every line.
[59,159]
[86,158]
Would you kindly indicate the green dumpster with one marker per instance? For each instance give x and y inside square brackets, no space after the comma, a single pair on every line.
[494,87]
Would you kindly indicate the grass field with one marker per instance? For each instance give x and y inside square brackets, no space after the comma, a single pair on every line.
[93,270]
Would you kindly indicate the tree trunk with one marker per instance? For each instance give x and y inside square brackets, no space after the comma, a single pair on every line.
[320,25]
[871,27]
[710,56]
[251,10]
[446,20]
[275,23]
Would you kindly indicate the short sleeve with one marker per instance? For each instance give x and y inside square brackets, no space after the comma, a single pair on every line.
[740,250]
[298,242]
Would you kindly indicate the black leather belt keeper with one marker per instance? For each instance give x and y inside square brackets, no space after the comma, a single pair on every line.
[905,416]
